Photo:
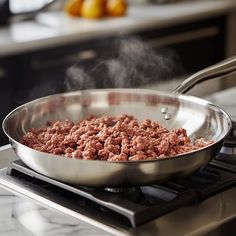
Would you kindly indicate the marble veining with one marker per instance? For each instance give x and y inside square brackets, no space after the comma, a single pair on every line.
[20,216]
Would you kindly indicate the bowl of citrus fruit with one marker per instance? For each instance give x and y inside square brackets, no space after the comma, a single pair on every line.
[95,9]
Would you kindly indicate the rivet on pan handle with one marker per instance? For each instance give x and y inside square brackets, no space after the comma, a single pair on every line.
[218,70]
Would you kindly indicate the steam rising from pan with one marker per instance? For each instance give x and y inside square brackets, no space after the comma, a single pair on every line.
[132,63]
[128,63]
[78,79]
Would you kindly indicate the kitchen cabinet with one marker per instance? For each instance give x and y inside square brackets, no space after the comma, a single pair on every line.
[189,47]
[38,73]
[44,72]
[195,45]
[5,93]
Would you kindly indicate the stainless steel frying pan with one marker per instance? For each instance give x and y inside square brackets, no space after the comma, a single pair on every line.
[199,117]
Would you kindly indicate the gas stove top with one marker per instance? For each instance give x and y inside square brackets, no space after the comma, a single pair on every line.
[194,205]
[132,206]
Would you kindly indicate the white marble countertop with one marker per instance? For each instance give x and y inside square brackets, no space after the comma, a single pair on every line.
[56,28]
[20,216]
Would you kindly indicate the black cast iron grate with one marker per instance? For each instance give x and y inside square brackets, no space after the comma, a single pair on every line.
[135,205]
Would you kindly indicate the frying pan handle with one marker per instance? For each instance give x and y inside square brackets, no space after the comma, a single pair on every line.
[218,70]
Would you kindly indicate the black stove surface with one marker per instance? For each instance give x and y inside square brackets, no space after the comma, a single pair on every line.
[134,206]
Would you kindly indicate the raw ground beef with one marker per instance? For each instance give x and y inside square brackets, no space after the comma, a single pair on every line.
[118,138]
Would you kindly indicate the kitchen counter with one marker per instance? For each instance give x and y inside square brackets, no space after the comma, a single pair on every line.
[20,216]
[56,28]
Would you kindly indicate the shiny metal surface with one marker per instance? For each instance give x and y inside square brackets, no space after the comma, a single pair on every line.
[218,70]
[199,117]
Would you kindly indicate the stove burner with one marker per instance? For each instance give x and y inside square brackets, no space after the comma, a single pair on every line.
[135,205]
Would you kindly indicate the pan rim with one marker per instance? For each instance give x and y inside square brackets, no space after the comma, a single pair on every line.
[123,90]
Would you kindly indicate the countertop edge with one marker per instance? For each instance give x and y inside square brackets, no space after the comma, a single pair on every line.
[15,48]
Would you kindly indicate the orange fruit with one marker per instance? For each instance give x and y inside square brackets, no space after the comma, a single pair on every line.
[92,8]
[73,7]
[116,7]
[102,2]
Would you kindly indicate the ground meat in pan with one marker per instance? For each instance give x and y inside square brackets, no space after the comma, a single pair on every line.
[118,138]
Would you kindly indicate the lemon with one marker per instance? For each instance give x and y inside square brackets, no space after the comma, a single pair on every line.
[92,9]
[73,7]
[116,7]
